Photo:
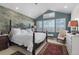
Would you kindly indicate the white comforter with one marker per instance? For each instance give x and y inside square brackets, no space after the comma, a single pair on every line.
[27,39]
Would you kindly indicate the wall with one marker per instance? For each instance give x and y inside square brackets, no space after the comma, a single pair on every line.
[57,16]
[7,14]
[75,14]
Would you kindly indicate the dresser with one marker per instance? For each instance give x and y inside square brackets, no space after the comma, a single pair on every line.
[72,43]
[4,42]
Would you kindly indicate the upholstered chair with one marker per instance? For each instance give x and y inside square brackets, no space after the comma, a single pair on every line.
[62,36]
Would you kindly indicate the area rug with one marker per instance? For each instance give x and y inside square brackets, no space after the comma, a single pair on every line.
[17,53]
[53,49]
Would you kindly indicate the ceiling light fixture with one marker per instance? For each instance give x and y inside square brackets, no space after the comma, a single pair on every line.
[35,3]
[17,8]
[65,6]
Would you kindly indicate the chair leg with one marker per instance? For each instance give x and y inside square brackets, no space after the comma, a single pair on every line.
[64,41]
[57,39]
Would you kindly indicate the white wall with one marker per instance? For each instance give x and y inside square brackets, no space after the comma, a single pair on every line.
[75,13]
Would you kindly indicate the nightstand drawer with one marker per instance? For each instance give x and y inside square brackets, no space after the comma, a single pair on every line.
[3,42]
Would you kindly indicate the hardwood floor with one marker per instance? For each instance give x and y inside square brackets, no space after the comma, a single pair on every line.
[13,49]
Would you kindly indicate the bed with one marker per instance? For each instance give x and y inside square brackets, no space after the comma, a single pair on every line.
[27,38]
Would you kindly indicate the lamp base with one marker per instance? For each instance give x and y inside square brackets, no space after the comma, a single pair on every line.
[74,30]
[74,33]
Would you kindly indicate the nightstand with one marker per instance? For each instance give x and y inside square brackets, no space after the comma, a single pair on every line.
[4,41]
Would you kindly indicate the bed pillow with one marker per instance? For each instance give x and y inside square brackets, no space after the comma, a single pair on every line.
[29,30]
[16,31]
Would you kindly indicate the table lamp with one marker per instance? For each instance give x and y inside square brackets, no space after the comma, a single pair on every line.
[73,24]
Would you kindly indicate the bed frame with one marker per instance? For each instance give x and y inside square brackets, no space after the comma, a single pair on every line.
[35,45]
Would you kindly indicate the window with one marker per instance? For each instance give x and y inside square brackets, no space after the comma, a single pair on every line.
[60,24]
[49,25]
[49,15]
[52,25]
[39,25]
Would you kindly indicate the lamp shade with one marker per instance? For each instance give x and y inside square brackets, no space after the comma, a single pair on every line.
[73,23]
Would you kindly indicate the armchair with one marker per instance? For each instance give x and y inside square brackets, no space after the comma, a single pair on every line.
[62,36]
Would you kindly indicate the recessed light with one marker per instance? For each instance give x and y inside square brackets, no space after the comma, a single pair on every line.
[35,3]
[17,8]
[65,6]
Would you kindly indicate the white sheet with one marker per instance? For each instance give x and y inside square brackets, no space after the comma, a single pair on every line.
[39,37]
[27,39]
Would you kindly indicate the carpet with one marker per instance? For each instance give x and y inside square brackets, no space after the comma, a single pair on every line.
[17,53]
[53,49]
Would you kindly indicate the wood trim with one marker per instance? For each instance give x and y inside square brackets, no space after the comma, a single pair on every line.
[10,26]
[33,51]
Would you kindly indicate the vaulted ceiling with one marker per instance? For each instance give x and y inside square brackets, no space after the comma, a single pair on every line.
[34,10]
